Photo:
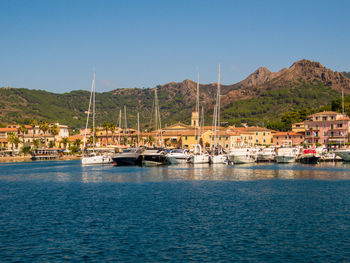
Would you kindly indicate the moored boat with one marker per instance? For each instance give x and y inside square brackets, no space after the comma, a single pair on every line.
[343,153]
[286,155]
[131,156]
[309,156]
[177,156]
[154,157]
[242,155]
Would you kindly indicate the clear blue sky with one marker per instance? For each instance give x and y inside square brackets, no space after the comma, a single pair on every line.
[56,45]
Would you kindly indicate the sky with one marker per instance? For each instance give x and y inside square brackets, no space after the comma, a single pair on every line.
[57,45]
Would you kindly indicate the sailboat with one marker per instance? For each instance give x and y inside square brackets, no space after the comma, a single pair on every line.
[343,153]
[155,156]
[198,154]
[93,158]
[218,155]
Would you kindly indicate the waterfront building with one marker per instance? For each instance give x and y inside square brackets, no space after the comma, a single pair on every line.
[298,127]
[251,136]
[288,138]
[327,127]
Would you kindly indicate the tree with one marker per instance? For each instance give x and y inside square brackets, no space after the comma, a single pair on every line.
[151,140]
[112,127]
[33,123]
[106,126]
[13,139]
[37,143]
[44,126]
[65,141]
[25,150]
[166,140]
[77,142]
[22,129]
[54,130]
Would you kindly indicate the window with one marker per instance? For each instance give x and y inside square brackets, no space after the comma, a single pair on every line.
[332,126]
[316,118]
[307,133]
[316,126]
[185,137]
[277,137]
[219,138]
[226,138]
[340,125]
[263,133]
[332,133]
[301,137]
[256,133]
[226,146]
[264,140]
[256,140]
[324,118]
[332,117]
[324,133]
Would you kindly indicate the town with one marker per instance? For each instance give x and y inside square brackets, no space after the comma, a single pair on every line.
[330,129]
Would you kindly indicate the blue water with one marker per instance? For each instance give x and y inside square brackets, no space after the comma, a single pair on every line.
[61,211]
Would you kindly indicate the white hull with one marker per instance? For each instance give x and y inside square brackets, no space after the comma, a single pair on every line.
[344,154]
[98,159]
[221,158]
[203,158]
[239,159]
[285,159]
[266,157]
[177,160]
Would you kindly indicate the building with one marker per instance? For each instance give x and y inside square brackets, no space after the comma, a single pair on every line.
[298,127]
[327,127]
[288,138]
[251,136]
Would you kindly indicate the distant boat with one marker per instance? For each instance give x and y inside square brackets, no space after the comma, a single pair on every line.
[309,156]
[286,155]
[242,155]
[177,156]
[93,158]
[131,156]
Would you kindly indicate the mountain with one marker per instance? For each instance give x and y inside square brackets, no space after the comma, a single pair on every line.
[261,97]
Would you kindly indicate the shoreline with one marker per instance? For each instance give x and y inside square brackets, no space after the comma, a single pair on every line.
[27,158]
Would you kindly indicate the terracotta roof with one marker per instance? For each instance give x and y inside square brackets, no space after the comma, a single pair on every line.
[326,112]
[3,140]
[8,129]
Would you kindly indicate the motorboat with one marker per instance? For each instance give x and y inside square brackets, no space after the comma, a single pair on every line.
[218,157]
[343,153]
[242,155]
[177,156]
[131,156]
[154,157]
[94,158]
[309,156]
[198,155]
[266,155]
[286,155]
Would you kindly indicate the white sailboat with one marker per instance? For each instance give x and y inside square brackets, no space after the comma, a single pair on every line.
[198,155]
[92,157]
[218,155]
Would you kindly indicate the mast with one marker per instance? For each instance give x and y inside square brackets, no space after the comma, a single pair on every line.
[197,109]
[120,123]
[219,102]
[202,122]
[138,129]
[126,123]
[88,114]
[342,98]
[157,120]
[93,113]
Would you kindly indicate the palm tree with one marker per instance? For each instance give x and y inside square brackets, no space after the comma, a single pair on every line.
[33,123]
[44,126]
[37,143]
[22,129]
[125,140]
[166,140]
[112,127]
[54,130]
[77,142]
[106,126]
[12,138]
[65,141]
[151,140]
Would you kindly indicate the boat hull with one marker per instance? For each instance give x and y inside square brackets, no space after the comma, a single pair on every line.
[177,160]
[154,160]
[216,159]
[285,159]
[309,159]
[203,158]
[127,160]
[240,159]
[99,159]
[344,154]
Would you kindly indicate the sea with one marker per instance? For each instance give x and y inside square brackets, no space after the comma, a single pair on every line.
[61,211]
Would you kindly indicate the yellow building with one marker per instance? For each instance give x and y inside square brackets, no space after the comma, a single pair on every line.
[298,127]
[251,136]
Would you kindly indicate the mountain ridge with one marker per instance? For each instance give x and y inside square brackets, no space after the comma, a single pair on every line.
[177,99]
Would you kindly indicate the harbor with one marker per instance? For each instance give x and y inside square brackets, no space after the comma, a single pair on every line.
[63,211]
